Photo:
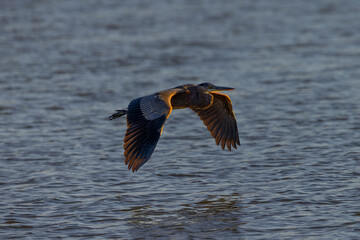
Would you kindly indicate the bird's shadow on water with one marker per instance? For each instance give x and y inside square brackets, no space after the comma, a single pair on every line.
[208,218]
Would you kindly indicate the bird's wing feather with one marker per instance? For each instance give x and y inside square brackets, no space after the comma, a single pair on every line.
[145,120]
[220,120]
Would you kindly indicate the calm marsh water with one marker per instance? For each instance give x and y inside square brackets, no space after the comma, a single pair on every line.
[66,65]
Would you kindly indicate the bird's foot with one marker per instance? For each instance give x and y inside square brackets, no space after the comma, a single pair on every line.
[119,113]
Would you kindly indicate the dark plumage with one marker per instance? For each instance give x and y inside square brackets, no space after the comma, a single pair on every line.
[146,117]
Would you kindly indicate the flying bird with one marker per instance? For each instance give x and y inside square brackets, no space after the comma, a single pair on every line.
[146,117]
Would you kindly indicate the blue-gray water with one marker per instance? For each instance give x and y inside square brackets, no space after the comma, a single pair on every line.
[67,65]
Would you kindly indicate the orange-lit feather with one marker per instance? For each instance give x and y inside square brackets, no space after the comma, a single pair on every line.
[220,121]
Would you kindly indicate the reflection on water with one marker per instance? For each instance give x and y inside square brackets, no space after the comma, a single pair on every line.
[65,66]
[206,218]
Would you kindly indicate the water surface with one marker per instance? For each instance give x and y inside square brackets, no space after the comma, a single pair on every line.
[66,65]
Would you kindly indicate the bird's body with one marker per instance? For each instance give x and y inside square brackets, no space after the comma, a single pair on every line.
[146,117]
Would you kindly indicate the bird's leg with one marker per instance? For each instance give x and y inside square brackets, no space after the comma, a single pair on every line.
[119,113]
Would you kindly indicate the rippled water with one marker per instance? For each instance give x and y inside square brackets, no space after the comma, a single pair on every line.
[66,65]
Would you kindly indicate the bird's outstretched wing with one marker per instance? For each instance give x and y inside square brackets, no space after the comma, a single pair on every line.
[145,120]
[220,120]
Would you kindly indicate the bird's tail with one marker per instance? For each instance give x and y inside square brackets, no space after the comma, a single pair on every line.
[119,113]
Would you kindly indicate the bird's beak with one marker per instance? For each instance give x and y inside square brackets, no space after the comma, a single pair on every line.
[218,88]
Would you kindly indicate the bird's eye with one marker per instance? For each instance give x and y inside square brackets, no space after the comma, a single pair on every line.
[207,85]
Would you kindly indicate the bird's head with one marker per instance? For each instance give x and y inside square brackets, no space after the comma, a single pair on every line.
[208,87]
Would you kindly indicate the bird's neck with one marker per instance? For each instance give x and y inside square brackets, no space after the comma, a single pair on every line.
[200,99]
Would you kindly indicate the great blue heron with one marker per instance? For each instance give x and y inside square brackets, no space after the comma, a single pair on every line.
[146,117]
